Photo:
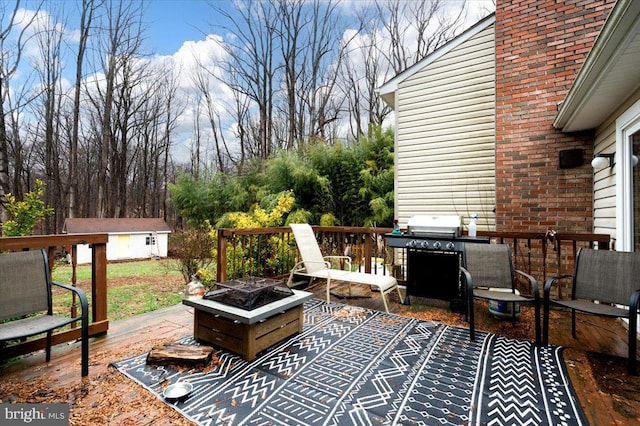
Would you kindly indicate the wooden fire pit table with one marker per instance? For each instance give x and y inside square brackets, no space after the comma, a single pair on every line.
[247,332]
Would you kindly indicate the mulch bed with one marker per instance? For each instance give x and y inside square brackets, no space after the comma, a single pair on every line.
[612,377]
[109,398]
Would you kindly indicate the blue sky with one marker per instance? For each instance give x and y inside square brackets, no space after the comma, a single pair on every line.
[172,22]
[175,30]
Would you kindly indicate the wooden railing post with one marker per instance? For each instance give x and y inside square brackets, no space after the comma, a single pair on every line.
[99,281]
[367,253]
[221,271]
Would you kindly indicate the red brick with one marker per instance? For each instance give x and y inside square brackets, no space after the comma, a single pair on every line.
[540,47]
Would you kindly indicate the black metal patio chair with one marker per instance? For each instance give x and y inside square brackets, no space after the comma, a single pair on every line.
[604,283]
[487,270]
[26,302]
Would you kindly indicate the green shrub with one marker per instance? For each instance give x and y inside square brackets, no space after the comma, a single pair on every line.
[194,250]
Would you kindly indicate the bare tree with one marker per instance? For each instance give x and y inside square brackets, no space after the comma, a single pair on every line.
[134,97]
[48,65]
[240,108]
[283,67]
[121,41]
[19,152]
[395,37]
[323,57]
[202,79]
[86,21]
[364,68]
[156,121]
[10,54]
[291,24]
[166,174]
[196,150]
[415,29]
[251,64]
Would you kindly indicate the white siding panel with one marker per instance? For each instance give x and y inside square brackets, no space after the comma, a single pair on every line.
[604,183]
[604,180]
[483,90]
[445,136]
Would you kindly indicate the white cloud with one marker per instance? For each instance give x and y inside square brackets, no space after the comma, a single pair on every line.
[211,54]
[206,56]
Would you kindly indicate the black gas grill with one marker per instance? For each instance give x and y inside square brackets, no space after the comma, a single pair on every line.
[434,246]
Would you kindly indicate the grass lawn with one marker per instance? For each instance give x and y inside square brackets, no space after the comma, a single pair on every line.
[132,287]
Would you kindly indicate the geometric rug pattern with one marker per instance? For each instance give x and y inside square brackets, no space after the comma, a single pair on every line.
[353,366]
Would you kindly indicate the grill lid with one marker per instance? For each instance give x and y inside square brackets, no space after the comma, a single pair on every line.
[438,225]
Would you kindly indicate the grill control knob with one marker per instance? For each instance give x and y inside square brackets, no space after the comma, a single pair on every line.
[411,244]
[450,245]
[437,245]
[424,244]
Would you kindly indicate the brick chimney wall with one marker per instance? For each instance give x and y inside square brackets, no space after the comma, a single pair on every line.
[540,47]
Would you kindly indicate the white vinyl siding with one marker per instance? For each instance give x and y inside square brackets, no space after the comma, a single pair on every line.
[604,180]
[604,184]
[445,135]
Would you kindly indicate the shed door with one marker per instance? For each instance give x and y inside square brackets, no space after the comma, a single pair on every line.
[124,246]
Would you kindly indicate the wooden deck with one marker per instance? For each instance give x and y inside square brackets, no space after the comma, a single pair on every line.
[139,334]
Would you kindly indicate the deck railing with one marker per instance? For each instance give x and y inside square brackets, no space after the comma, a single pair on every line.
[54,244]
[271,252]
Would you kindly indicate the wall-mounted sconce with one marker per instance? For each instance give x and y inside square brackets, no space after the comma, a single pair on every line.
[600,161]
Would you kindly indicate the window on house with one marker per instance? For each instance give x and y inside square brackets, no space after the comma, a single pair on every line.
[151,240]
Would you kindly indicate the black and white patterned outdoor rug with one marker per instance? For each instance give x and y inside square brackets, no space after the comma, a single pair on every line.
[357,366]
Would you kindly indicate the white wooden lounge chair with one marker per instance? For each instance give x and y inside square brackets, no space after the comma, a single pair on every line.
[314,265]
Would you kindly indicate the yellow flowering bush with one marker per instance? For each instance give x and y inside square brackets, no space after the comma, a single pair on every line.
[207,277]
[260,259]
[24,215]
[275,216]
[261,217]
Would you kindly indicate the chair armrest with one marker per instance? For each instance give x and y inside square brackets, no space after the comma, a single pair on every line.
[533,281]
[551,281]
[346,258]
[84,305]
[297,267]
[467,278]
[84,320]
[634,303]
[469,295]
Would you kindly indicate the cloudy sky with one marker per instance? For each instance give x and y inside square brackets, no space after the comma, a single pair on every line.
[178,31]
[175,22]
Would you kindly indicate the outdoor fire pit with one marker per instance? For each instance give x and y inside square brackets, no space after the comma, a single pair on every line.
[249,293]
[248,315]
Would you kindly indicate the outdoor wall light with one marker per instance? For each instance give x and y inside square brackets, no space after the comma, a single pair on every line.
[600,161]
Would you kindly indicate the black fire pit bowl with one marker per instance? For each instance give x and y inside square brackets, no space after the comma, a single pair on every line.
[249,293]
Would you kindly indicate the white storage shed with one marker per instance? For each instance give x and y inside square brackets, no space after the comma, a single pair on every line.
[129,238]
